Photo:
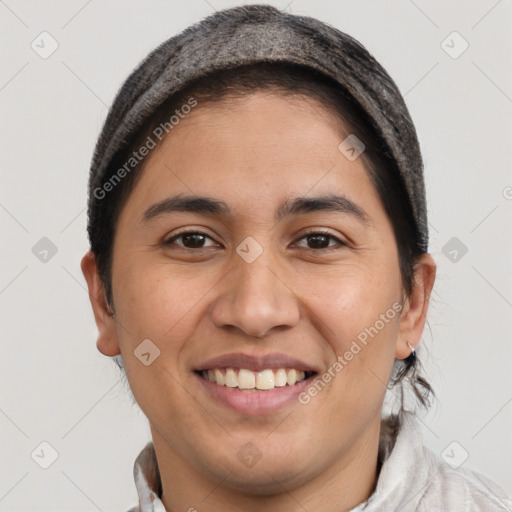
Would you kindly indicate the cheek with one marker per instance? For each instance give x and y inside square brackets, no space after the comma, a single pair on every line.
[359,315]
[158,300]
[353,298]
[155,303]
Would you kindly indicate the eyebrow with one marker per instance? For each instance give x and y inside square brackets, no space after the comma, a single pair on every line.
[300,205]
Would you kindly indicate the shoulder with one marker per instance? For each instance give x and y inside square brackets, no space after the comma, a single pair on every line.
[415,479]
[460,489]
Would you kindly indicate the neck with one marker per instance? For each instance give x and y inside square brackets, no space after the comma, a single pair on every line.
[340,487]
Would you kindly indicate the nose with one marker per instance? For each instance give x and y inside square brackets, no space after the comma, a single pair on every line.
[256,299]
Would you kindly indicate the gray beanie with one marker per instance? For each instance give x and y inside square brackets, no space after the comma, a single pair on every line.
[262,33]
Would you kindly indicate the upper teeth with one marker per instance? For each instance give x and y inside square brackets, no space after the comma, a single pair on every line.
[247,379]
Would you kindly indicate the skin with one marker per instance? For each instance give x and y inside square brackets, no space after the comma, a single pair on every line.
[295,298]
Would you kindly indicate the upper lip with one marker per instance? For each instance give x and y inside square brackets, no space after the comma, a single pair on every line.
[255,362]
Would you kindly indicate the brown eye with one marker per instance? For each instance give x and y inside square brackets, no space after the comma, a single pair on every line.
[320,240]
[189,240]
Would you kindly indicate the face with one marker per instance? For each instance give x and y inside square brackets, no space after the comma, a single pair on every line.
[286,269]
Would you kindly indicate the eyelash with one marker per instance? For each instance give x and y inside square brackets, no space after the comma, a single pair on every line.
[310,233]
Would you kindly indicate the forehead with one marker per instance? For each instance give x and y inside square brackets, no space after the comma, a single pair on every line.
[255,151]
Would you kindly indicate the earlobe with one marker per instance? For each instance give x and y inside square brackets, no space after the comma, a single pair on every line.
[413,320]
[107,337]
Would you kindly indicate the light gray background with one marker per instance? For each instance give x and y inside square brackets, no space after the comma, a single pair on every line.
[56,387]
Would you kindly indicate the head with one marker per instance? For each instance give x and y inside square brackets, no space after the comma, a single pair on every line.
[246,233]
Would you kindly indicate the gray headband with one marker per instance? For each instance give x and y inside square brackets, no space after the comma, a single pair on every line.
[257,33]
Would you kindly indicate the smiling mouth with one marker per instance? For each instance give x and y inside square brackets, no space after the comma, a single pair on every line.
[249,381]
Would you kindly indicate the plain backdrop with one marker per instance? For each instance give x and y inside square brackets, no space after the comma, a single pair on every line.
[57,388]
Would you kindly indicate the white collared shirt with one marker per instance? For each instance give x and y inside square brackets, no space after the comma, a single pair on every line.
[412,478]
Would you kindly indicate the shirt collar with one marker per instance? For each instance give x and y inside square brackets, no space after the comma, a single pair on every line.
[404,473]
[148,481]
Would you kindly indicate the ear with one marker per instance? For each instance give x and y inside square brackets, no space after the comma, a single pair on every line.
[415,309]
[107,338]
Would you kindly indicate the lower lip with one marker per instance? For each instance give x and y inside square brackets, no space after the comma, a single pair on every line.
[255,402]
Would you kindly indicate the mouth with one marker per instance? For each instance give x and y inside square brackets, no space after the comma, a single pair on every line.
[248,381]
[254,384]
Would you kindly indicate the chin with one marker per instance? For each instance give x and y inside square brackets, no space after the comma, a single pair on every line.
[264,482]
[263,475]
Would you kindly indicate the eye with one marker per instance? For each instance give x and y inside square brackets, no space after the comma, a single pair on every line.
[320,240]
[190,240]
[194,240]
